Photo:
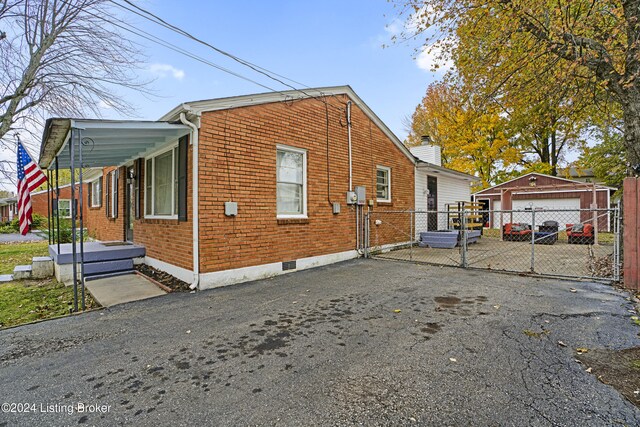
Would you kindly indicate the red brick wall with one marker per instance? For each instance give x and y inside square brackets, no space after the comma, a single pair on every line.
[631,236]
[238,163]
[101,227]
[39,200]
[167,240]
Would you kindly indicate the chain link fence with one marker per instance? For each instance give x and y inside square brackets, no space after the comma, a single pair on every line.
[581,243]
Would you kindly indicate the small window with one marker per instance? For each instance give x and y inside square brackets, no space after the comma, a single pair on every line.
[291,182]
[383,184]
[96,193]
[64,208]
[161,184]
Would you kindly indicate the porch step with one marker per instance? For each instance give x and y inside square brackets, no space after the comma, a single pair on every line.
[6,278]
[21,272]
[93,268]
[41,267]
[106,275]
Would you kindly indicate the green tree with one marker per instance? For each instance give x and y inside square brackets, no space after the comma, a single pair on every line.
[592,46]
[473,139]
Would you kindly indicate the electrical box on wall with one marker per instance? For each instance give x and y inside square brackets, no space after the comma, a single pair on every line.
[231,208]
[361,194]
[352,198]
[336,207]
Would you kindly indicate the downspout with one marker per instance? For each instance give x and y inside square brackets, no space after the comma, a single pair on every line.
[194,197]
[349,137]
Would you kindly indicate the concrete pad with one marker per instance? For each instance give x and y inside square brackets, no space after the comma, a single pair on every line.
[117,290]
[6,278]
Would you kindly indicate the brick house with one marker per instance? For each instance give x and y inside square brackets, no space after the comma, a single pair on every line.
[41,205]
[8,209]
[234,189]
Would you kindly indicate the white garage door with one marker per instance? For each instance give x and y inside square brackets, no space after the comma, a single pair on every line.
[545,210]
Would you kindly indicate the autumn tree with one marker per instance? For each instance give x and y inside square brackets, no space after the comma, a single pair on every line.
[593,45]
[473,139]
[59,57]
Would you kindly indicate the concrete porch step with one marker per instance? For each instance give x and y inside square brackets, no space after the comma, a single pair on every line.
[41,267]
[21,272]
[92,268]
[6,278]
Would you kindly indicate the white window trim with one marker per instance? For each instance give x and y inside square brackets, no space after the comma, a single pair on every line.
[65,200]
[302,151]
[388,170]
[93,192]
[153,156]
[113,189]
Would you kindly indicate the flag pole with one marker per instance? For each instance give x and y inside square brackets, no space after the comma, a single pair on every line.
[74,254]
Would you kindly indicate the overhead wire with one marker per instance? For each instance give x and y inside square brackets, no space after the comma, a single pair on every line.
[270,74]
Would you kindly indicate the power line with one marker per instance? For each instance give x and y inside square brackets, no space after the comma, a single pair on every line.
[154,39]
[159,21]
[156,19]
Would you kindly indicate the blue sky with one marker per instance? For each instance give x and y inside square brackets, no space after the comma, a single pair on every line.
[322,43]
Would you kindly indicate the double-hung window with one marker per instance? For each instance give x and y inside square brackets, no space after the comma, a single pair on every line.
[291,182]
[64,208]
[383,184]
[96,193]
[161,184]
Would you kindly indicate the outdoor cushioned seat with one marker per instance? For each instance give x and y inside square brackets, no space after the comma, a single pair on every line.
[516,232]
[580,234]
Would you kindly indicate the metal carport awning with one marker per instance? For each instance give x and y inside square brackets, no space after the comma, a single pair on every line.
[105,142]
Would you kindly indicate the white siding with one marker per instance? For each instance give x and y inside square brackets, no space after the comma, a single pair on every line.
[450,190]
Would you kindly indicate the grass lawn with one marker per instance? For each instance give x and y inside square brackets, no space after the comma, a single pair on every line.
[23,301]
[12,254]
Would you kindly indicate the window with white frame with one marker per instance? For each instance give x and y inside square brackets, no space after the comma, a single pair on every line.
[383,184]
[161,184]
[64,208]
[291,182]
[114,193]
[96,193]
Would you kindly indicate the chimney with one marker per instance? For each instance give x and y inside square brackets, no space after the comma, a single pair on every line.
[427,152]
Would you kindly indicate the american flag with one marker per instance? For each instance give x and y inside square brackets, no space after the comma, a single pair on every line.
[30,177]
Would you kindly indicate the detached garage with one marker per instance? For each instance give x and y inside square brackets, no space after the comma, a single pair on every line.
[544,193]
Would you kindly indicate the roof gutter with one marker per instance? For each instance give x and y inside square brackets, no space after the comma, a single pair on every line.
[195,218]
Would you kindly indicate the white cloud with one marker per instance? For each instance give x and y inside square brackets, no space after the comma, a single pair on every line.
[428,58]
[166,70]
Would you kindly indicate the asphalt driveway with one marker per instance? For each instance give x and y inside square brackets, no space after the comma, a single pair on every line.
[367,342]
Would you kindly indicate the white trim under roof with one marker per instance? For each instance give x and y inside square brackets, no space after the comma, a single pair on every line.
[110,142]
[197,107]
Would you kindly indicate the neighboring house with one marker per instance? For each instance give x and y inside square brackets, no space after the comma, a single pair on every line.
[41,205]
[438,188]
[546,192]
[8,209]
[234,189]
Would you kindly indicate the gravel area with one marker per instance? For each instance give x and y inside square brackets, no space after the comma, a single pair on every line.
[365,342]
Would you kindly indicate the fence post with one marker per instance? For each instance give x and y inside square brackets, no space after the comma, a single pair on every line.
[463,236]
[616,243]
[411,213]
[366,235]
[533,239]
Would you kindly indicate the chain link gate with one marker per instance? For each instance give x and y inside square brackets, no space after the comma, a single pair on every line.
[571,243]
